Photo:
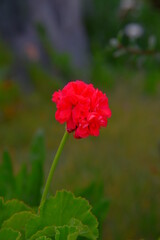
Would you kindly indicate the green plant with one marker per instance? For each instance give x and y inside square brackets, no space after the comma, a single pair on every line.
[26,185]
[63,216]
[58,218]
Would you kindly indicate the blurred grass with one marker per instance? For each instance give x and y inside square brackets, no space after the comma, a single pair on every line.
[125,156]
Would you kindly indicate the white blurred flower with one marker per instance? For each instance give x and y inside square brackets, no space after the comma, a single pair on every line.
[134,30]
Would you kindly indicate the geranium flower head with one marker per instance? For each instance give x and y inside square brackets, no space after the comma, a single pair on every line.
[83,108]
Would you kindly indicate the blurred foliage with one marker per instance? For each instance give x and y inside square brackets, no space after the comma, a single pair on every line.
[6,60]
[152,80]
[38,74]
[9,99]
[113,49]
[107,19]
[60,62]
[25,185]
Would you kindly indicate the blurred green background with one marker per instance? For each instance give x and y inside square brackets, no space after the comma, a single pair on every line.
[116,46]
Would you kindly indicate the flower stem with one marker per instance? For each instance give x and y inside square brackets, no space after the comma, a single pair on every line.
[52,169]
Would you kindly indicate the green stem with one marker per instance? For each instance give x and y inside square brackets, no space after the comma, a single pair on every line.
[54,164]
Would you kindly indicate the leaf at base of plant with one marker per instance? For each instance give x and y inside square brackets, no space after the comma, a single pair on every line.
[9,208]
[43,238]
[63,214]
[18,221]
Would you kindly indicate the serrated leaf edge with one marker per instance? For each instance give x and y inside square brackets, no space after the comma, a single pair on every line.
[75,198]
[9,219]
[15,200]
[39,231]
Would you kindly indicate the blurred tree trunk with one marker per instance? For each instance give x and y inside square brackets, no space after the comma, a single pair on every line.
[62,20]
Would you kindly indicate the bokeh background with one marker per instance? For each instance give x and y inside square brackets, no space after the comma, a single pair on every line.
[116,46]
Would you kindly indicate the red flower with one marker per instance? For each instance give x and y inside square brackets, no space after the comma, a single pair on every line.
[84,108]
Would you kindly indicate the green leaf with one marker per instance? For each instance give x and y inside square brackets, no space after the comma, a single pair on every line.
[81,229]
[43,238]
[100,209]
[21,183]
[64,210]
[18,222]
[61,233]
[38,148]
[49,231]
[35,179]
[9,234]
[9,208]
[65,232]
[7,183]
[71,231]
